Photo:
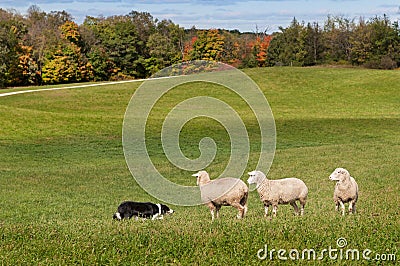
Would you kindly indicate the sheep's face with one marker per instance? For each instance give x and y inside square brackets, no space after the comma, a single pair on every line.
[197,175]
[255,177]
[200,175]
[340,174]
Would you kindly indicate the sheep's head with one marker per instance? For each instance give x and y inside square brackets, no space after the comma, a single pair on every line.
[340,174]
[202,177]
[255,177]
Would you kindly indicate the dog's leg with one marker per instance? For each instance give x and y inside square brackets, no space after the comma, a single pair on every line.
[155,216]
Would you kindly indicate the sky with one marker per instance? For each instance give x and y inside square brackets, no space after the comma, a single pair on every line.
[252,15]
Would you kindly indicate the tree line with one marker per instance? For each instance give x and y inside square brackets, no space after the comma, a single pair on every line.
[373,43]
[49,48]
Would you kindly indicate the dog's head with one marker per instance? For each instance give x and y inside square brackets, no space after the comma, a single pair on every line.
[117,216]
[165,209]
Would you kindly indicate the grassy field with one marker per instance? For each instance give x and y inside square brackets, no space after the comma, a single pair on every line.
[63,174]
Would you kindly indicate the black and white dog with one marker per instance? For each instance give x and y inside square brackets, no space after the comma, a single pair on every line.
[128,209]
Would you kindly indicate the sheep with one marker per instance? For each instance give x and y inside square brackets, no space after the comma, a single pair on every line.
[346,190]
[226,191]
[282,191]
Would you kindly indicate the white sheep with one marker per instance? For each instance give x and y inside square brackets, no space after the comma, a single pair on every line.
[346,190]
[281,191]
[226,191]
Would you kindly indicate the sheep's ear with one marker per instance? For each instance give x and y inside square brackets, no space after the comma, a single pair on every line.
[196,175]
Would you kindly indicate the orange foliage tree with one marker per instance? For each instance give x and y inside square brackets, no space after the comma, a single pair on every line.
[260,49]
[208,45]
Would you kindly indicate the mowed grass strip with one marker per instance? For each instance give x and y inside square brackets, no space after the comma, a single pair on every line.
[63,173]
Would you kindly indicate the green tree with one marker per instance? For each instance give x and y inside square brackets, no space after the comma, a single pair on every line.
[314,44]
[104,68]
[145,26]
[164,46]
[288,46]
[385,40]
[118,38]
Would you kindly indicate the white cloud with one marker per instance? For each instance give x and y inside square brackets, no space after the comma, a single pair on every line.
[235,14]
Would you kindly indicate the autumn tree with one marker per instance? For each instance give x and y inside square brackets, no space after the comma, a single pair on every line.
[207,46]
[190,38]
[50,47]
[231,52]
[260,49]
[43,31]
[67,64]
[361,43]
[338,31]
[16,63]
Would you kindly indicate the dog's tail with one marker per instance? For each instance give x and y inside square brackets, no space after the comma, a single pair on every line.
[117,216]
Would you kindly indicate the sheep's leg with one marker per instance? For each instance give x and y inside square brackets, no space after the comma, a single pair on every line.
[217,208]
[336,205]
[245,210]
[240,208]
[302,204]
[352,207]
[342,207]
[295,207]
[212,208]
[274,209]
[212,214]
[266,206]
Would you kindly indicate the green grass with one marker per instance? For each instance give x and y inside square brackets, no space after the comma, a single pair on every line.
[63,173]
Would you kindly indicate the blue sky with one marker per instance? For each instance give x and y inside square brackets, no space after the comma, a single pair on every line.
[234,14]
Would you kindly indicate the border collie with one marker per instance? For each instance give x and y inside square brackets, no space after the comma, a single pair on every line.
[128,209]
